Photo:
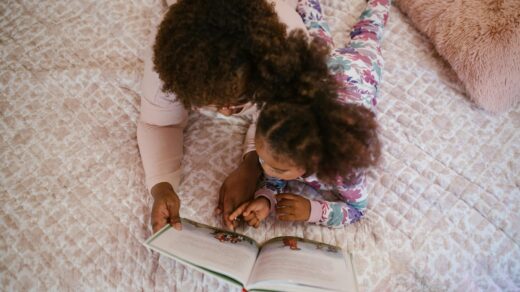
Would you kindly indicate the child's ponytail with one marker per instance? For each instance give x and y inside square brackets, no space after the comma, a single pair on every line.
[292,70]
[349,135]
[324,136]
[302,119]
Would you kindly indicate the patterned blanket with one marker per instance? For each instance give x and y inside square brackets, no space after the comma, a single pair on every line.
[74,210]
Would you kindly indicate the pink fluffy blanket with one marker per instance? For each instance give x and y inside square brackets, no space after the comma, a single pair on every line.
[480,40]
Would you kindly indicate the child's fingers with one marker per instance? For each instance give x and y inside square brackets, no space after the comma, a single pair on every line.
[249,216]
[253,222]
[238,211]
[285,203]
[286,217]
[252,207]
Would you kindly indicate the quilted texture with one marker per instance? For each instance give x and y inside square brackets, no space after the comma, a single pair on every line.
[480,40]
[444,206]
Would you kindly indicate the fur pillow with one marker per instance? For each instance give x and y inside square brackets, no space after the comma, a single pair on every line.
[481,41]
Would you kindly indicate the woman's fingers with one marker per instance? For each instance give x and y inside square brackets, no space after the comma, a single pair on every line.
[220,204]
[238,211]
[175,219]
[284,210]
[159,216]
[285,203]
[286,217]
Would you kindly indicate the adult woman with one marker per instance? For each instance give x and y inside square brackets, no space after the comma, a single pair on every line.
[205,53]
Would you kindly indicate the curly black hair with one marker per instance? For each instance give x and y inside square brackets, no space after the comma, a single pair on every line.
[205,51]
[295,71]
[324,136]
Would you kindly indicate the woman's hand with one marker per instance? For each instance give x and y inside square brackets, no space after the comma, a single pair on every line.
[165,207]
[253,212]
[291,207]
[239,187]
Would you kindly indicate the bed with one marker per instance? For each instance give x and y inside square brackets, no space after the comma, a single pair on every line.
[444,210]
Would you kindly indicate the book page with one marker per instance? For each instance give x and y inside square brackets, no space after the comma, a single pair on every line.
[302,264]
[205,247]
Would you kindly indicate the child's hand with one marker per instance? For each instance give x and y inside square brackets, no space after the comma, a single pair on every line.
[291,207]
[253,211]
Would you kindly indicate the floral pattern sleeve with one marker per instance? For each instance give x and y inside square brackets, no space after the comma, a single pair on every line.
[353,201]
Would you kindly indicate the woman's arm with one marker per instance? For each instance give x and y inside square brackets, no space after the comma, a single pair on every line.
[160,146]
[159,130]
[161,153]
[160,139]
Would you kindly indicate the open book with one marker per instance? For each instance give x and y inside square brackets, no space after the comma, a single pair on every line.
[279,264]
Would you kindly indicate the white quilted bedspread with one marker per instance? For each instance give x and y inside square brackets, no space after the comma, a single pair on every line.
[445,201]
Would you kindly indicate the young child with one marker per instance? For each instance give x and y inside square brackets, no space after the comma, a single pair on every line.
[325,140]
